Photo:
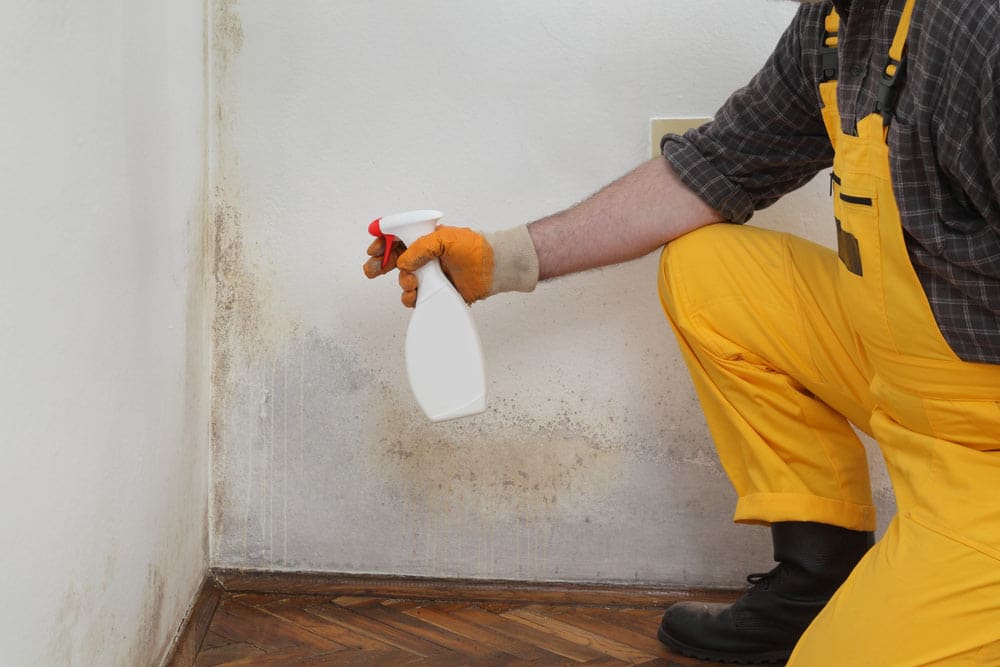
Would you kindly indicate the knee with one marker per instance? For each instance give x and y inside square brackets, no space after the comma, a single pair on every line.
[692,269]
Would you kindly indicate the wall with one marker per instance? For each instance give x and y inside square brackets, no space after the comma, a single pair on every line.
[103,334]
[593,461]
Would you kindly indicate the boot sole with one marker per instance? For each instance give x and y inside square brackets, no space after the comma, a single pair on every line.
[768,657]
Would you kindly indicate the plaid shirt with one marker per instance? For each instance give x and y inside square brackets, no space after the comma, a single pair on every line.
[769,139]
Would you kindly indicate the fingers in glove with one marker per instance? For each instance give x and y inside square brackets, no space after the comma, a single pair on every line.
[373,267]
[408,282]
[376,247]
[420,252]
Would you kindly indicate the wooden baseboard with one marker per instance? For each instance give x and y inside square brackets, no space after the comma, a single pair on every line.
[420,588]
[232,581]
[195,626]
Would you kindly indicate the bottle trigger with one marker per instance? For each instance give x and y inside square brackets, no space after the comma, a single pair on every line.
[389,240]
[375,229]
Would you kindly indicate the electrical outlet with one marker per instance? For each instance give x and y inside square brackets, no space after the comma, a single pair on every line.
[661,126]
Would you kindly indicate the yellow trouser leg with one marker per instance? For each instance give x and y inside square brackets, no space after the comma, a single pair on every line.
[929,592]
[764,335]
[776,364]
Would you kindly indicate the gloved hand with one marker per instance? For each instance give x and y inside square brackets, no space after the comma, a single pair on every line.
[478,265]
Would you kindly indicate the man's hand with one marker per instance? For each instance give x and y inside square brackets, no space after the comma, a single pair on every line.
[466,259]
[478,265]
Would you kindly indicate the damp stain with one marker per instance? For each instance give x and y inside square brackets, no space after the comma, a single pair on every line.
[275,425]
[153,608]
[227,33]
[523,469]
[245,327]
[88,630]
[237,329]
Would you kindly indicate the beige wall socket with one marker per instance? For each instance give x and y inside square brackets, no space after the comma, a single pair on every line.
[661,126]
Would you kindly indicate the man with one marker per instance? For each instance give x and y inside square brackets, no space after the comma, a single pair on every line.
[898,332]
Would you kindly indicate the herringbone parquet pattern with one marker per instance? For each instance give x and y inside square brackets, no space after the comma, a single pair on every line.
[257,629]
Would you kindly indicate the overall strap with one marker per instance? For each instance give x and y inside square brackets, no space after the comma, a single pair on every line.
[828,72]
[828,49]
[888,87]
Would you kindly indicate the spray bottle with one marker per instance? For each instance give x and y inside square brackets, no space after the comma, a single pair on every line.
[444,358]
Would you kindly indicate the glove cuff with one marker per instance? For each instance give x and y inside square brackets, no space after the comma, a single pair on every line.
[515,262]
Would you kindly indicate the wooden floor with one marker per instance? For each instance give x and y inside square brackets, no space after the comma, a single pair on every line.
[263,629]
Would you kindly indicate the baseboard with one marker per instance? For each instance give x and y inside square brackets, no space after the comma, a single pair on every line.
[195,626]
[222,581]
[421,588]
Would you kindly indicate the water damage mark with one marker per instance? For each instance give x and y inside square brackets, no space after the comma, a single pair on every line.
[152,635]
[236,329]
[237,306]
[227,33]
[518,468]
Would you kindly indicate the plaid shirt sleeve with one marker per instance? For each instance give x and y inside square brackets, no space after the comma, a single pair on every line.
[767,140]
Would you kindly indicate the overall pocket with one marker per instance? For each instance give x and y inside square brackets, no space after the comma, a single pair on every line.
[855,212]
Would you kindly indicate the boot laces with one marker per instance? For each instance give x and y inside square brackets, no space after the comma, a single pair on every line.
[763,579]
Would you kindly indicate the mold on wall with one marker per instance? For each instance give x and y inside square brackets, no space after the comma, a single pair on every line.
[244,327]
[470,498]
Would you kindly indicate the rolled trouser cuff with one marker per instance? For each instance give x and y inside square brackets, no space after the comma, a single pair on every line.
[767,508]
[515,262]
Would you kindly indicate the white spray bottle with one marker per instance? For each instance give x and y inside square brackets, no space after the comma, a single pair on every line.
[444,358]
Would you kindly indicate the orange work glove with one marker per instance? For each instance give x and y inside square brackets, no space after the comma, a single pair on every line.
[466,259]
[478,265]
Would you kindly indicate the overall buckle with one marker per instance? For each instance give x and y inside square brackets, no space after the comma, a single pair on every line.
[888,90]
[829,63]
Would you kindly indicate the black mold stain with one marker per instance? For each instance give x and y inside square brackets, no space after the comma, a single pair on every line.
[533,470]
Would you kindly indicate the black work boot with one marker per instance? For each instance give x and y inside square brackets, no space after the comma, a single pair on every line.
[764,624]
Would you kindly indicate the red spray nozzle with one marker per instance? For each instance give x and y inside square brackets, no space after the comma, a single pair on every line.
[375,229]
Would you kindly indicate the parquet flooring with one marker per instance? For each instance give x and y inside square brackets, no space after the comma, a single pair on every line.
[263,629]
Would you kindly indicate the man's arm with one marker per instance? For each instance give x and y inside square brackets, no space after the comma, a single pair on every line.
[635,215]
[638,213]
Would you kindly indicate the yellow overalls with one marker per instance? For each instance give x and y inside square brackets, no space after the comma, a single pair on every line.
[786,342]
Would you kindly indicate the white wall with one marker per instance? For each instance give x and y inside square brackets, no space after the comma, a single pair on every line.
[103,353]
[593,461]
